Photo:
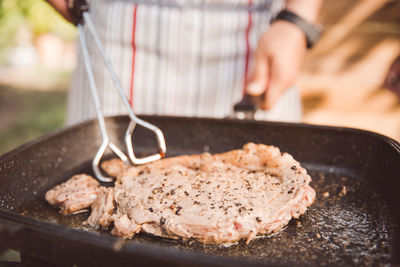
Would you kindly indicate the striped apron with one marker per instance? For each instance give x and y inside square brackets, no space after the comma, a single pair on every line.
[176,57]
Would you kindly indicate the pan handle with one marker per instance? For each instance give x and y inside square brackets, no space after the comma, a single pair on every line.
[8,234]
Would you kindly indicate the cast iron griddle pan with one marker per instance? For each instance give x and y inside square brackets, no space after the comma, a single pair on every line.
[360,227]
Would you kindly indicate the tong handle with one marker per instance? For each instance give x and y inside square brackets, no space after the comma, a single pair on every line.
[100,117]
[248,103]
[114,77]
[134,120]
[245,105]
[76,9]
[248,106]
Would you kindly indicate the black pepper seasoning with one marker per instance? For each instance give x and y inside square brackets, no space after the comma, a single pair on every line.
[178,210]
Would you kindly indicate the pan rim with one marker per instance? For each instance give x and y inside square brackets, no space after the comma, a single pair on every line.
[393,143]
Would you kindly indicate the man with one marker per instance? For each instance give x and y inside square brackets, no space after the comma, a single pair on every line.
[197,57]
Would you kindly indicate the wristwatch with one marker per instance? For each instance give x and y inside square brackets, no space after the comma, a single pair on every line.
[311,31]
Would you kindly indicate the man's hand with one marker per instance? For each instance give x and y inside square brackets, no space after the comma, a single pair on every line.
[61,6]
[279,55]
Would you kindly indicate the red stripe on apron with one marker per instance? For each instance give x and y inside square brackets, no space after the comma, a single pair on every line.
[133,53]
[246,66]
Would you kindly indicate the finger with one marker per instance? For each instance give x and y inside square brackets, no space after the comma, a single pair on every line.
[257,84]
[274,90]
[271,97]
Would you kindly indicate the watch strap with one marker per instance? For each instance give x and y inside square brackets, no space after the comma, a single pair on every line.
[312,32]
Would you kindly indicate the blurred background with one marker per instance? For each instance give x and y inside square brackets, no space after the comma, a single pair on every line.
[342,80]
[37,57]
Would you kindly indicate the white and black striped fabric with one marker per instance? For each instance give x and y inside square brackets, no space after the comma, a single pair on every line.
[177,57]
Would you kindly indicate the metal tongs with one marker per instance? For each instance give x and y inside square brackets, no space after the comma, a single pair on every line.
[82,17]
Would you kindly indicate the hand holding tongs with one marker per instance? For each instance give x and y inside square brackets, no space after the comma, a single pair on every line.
[79,10]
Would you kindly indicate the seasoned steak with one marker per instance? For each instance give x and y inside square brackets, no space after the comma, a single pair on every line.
[114,167]
[211,198]
[76,194]
[102,209]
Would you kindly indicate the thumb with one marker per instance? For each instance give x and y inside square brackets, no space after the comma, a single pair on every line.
[258,82]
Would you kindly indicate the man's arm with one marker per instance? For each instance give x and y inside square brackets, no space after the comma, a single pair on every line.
[280,53]
[307,9]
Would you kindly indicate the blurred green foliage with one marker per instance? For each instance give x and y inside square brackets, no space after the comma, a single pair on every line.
[36,15]
[29,114]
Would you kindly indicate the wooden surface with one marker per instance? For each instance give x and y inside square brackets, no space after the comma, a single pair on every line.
[342,77]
